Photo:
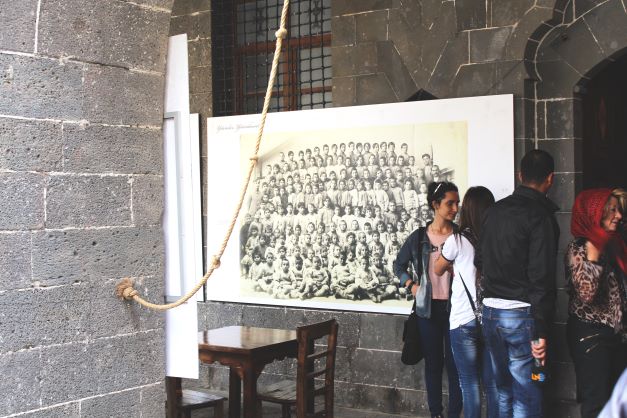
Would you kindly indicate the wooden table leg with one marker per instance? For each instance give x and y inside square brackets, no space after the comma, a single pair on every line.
[250,393]
[235,388]
[173,396]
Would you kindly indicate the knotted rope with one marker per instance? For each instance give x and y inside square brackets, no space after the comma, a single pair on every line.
[124,288]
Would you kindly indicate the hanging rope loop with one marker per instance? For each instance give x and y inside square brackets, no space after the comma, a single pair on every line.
[124,288]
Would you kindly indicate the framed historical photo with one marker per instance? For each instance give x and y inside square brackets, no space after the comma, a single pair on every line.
[335,193]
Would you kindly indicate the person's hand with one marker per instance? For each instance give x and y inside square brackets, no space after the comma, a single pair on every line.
[592,252]
[414,289]
[538,349]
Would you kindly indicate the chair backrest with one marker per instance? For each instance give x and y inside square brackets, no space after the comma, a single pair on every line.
[316,361]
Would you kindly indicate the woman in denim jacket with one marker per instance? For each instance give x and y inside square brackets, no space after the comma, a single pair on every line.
[414,266]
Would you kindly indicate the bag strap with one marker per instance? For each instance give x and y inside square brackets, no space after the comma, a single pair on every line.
[472,304]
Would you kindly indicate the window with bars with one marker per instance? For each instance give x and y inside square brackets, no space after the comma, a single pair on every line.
[243,45]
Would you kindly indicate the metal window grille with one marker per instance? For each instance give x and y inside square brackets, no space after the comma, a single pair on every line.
[243,43]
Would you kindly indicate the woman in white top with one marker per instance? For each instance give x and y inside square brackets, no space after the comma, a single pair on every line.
[471,358]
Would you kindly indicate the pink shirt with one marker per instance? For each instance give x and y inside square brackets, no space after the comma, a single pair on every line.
[440,284]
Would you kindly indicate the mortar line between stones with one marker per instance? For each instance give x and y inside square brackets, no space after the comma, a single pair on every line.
[82,122]
[37,13]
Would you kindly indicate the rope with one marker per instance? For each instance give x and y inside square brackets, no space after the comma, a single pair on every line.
[124,289]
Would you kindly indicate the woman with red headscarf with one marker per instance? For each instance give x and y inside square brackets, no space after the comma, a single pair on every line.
[596,263]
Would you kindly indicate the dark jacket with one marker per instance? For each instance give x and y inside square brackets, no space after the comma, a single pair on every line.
[412,262]
[517,253]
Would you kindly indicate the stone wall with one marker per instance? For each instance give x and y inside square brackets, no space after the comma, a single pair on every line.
[81,102]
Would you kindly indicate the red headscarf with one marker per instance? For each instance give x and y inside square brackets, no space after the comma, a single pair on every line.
[586,223]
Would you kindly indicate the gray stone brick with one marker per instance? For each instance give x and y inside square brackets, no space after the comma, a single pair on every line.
[115,33]
[471,14]
[576,39]
[560,119]
[61,257]
[563,218]
[453,55]
[40,88]
[344,30]
[22,195]
[201,104]
[262,316]
[184,7]
[109,315]
[383,332]
[558,80]
[384,368]
[111,149]
[391,63]
[71,410]
[15,261]
[567,153]
[608,24]
[391,400]
[125,404]
[374,89]
[200,79]
[488,44]
[196,26]
[148,200]
[519,38]
[21,391]
[342,7]
[63,373]
[17,26]
[30,145]
[199,52]
[507,13]
[88,201]
[42,317]
[372,26]
[344,91]
[128,361]
[152,400]
[141,103]
[357,60]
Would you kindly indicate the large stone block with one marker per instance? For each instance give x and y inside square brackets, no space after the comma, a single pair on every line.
[381,332]
[21,390]
[128,361]
[343,7]
[391,63]
[507,13]
[68,373]
[40,88]
[30,145]
[348,324]
[558,80]
[344,30]
[374,89]
[471,14]
[576,39]
[40,317]
[372,26]
[567,153]
[22,197]
[563,218]
[200,80]
[488,44]
[180,8]
[110,33]
[218,314]
[148,203]
[70,410]
[152,400]
[140,104]
[122,404]
[68,256]
[202,104]
[109,315]
[15,261]
[608,24]
[344,91]
[88,201]
[560,119]
[519,39]
[391,400]
[384,368]
[112,149]
[17,25]
[196,26]
[199,52]
[354,60]
[453,56]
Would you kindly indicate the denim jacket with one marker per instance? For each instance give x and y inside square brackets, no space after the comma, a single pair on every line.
[416,252]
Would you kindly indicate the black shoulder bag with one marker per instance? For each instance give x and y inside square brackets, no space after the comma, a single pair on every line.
[412,349]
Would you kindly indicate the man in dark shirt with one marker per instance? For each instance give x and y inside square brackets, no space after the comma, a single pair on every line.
[517,257]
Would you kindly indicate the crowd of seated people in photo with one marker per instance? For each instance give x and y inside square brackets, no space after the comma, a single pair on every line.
[330,220]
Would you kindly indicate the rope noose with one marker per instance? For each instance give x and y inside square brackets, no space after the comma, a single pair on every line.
[124,288]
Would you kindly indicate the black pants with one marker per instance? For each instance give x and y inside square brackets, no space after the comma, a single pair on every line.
[599,358]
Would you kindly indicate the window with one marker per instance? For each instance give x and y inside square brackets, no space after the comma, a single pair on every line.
[243,44]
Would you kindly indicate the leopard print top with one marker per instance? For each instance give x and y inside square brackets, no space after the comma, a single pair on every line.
[595,295]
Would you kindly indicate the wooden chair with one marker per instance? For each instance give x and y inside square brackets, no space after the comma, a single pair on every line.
[181,402]
[312,364]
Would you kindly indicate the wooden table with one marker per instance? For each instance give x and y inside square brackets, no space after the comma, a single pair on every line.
[246,350]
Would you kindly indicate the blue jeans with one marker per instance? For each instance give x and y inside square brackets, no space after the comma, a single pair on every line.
[436,347]
[508,334]
[474,365]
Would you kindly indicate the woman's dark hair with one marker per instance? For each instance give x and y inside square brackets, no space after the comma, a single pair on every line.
[476,201]
[437,190]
